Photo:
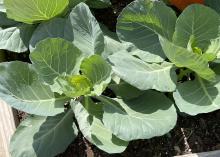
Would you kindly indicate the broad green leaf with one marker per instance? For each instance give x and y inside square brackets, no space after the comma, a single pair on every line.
[149,115]
[143,75]
[198,96]
[34,11]
[74,86]
[98,3]
[86,32]
[43,136]
[141,22]
[55,57]
[152,15]
[125,91]
[16,39]
[96,69]
[114,45]
[2,7]
[54,28]
[199,22]
[93,129]
[214,4]
[181,57]
[20,88]
[86,35]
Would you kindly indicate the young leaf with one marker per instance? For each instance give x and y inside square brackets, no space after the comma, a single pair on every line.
[16,39]
[93,129]
[20,88]
[149,115]
[34,11]
[198,96]
[74,86]
[141,22]
[43,136]
[96,69]
[198,21]
[96,74]
[54,57]
[181,57]
[87,34]
[143,75]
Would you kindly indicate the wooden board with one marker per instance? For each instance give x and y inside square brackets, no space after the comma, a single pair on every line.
[8,122]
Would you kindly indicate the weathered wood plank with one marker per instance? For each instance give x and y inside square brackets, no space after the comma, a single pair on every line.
[8,122]
[205,154]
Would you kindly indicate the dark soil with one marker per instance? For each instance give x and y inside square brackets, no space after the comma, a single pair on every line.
[191,134]
[109,16]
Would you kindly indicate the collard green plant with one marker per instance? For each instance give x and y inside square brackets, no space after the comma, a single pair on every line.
[111,87]
[190,43]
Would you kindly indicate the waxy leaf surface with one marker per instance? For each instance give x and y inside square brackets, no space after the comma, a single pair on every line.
[43,136]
